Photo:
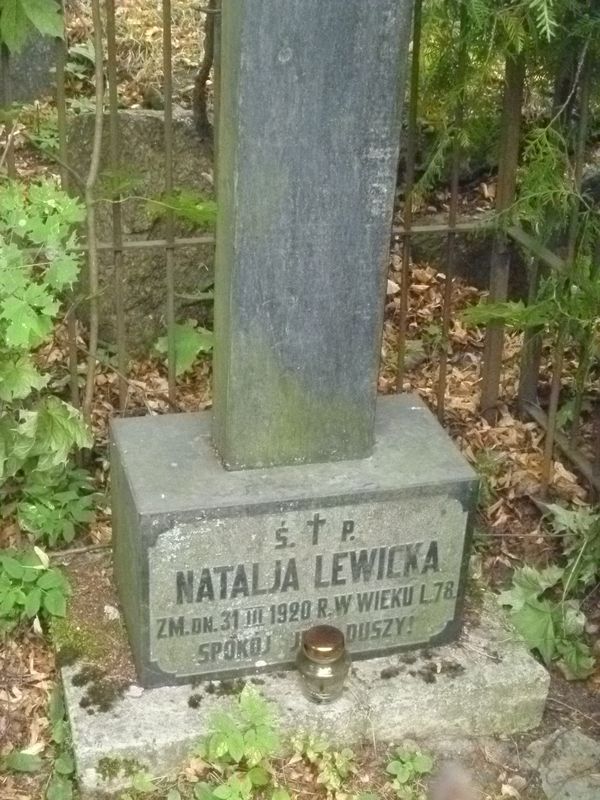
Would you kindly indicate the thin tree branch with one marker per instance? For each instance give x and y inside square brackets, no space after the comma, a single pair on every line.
[58,555]
[91,210]
[200,99]
[575,85]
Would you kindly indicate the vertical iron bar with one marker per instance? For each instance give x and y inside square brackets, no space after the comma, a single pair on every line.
[532,349]
[170,232]
[562,337]
[596,442]
[557,367]
[585,348]
[450,267]
[585,358]
[596,411]
[500,262]
[65,179]
[5,103]
[411,153]
[117,222]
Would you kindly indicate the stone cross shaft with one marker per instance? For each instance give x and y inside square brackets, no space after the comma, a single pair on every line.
[307,146]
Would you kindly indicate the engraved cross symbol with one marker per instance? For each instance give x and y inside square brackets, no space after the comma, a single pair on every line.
[316,523]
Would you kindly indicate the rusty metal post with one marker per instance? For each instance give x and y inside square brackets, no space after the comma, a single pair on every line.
[170,233]
[562,337]
[450,266]
[409,183]
[500,262]
[65,179]
[117,222]
[532,348]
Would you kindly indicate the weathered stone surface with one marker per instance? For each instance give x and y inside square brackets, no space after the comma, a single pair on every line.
[142,174]
[219,571]
[568,763]
[486,684]
[31,73]
[308,137]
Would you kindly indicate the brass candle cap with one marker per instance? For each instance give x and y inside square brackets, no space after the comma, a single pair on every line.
[323,643]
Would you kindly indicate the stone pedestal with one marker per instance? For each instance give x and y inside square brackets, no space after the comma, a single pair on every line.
[219,572]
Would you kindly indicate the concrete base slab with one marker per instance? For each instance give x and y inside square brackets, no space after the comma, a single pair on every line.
[486,684]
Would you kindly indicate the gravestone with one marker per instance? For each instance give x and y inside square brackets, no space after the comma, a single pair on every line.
[31,73]
[299,499]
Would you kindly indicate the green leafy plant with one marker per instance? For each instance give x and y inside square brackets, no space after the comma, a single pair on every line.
[81,61]
[40,126]
[489,467]
[38,263]
[408,768]
[143,783]
[551,622]
[60,786]
[22,761]
[19,18]
[185,205]
[579,530]
[53,507]
[333,767]
[240,746]
[29,587]
[190,341]
[247,736]
[45,136]
[546,605]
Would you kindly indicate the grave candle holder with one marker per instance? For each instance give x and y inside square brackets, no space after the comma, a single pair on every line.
[323,663]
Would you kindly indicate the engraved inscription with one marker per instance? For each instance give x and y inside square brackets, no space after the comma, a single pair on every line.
[237,593]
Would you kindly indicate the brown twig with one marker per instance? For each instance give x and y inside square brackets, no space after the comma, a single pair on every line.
[133,385]
[576,710]
[200,99]
[91,211]
[77,551]
[7,681]
[10,135]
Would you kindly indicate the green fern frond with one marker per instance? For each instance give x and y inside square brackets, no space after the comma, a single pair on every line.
[544,16]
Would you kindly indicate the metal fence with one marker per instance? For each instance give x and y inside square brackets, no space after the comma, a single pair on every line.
[500,261]
[499,268]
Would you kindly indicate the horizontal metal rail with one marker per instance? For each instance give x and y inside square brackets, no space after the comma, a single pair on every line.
[535,248]
[149,244]
[473,226]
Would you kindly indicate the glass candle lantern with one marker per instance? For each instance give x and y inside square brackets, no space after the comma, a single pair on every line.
[323,663]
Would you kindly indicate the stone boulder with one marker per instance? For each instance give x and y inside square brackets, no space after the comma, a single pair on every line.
[31,73]
[568,763]
[141,176]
